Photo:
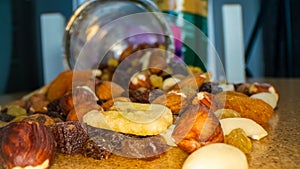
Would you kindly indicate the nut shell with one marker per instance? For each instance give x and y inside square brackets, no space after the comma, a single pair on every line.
[26,144]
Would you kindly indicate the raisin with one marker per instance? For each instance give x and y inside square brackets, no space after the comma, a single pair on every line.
[239,139]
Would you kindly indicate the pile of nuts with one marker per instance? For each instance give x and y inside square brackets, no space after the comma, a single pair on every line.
[50,119]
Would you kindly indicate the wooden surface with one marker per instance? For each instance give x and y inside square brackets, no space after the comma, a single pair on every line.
[279,150]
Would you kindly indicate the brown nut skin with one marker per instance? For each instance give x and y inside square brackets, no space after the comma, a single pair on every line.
[80,110]
[107,90]
[251,108]
[197,127]
[67,80]
[173,100]
[26,144]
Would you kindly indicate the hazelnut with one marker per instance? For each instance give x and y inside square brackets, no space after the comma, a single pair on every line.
[26,144]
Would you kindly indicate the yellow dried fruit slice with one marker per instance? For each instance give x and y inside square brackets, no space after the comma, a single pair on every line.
[132,118]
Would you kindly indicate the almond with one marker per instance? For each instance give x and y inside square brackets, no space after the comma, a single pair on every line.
[66,80]
[251,108]
[173,100]
[107,90]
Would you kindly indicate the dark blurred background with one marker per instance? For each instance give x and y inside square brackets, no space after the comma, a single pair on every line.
[271,26]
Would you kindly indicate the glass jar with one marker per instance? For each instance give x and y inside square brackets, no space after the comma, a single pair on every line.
[103,29]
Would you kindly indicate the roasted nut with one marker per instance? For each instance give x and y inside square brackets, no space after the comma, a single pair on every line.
[107,90]
[251,108]
[26,144]
[40,118]
[170,83]
[173,100]
[81,109]
[242,88]
[37,103]
[109,103]
[197,127]
[139,80]
[204,99]
[263,87]
[69,79]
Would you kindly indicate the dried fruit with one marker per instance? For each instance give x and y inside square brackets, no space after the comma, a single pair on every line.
[156,81]
[197,127]
[70,136]
[132,118]
[239,139]
[216,156]
[26,144]
[15,110]
[93,150]
[251,128]
[140,95]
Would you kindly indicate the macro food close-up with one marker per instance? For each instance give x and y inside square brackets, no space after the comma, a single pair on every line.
[146,84]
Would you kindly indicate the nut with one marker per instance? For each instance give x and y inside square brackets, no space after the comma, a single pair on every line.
[193,81]
[169,83]
[203,98]
[139,80]
[109,103]
[40,118]
[251,108]
[175,101]
[26,144]
[197,127]
[64,82]
[81,109]
[263,87]
[107,90]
